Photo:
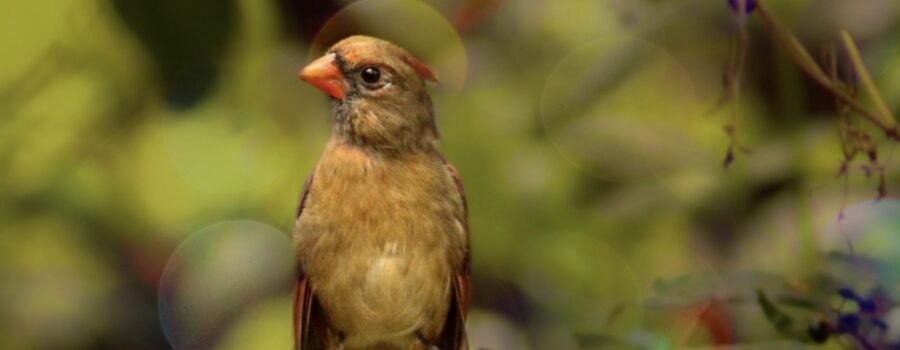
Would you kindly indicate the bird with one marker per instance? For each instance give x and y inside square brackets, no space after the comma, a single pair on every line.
[381,233]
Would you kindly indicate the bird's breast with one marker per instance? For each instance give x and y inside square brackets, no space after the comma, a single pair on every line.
[379,241]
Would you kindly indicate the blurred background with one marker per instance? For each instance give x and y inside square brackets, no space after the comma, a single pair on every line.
[153,152]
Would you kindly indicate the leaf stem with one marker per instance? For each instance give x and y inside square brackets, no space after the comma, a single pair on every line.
[789,42]
[887,119]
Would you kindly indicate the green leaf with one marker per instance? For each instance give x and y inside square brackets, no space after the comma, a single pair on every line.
[590,340]
[778,318]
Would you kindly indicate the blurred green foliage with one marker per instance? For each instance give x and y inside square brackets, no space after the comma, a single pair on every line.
[186,41]
[584,131]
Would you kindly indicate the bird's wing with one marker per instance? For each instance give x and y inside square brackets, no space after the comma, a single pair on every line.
[302,309]
[303,296]
[454,333]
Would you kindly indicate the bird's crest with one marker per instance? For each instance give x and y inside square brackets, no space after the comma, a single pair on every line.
[351,48]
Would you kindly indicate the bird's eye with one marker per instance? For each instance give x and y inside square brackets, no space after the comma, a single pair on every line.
[370,75]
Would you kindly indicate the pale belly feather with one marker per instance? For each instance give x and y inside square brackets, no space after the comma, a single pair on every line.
[398,292]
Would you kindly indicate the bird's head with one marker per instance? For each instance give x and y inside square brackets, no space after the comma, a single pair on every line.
[378,93]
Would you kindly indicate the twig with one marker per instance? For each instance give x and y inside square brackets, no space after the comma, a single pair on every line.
[789,42]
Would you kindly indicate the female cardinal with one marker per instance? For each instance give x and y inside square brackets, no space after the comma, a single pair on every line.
[381,236]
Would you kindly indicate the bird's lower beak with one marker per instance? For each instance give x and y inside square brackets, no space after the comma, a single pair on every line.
[324,74]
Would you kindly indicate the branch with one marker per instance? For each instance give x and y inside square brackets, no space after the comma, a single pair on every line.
[789,42]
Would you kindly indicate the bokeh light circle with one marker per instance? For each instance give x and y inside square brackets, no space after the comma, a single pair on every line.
[583,285]
[217,274]
[683,289]
[487,330]
[869,233]
[622,108]
[411,24]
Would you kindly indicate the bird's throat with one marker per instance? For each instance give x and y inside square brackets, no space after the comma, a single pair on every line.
[383,133]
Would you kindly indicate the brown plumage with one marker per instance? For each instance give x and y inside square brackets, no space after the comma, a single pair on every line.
[381,236]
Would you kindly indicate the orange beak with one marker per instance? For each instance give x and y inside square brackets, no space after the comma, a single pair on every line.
[324,74]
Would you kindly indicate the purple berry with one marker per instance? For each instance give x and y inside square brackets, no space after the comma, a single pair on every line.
[749,5]
[866,306]
[819,331]
[848,293]
[848,323]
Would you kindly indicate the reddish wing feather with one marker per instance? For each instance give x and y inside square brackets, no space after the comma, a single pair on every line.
[302,308]
[461,280]
[302,290]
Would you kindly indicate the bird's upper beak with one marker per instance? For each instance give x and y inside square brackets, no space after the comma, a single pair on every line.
[324,74]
